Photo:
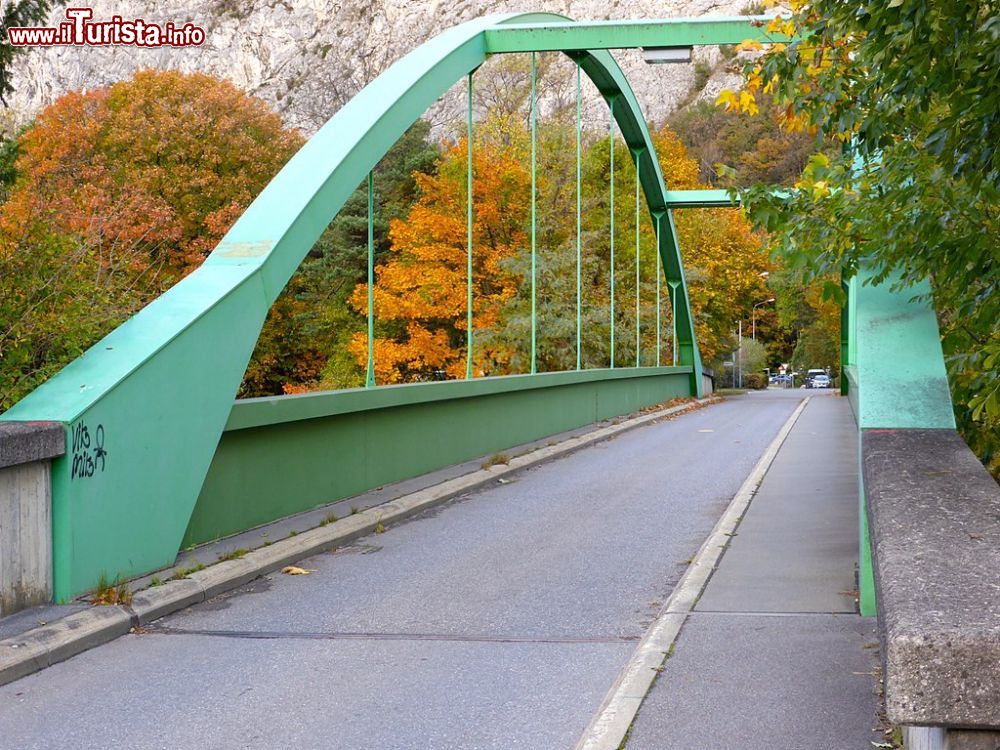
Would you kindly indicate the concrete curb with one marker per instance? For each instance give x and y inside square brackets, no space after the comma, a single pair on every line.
[610,726]
[49,644]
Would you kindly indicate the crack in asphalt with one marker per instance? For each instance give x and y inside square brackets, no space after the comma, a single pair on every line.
[361,636]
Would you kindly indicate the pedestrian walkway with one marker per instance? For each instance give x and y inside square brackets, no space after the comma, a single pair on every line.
[774,654]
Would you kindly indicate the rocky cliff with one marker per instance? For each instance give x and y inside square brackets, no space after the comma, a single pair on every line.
[307,57]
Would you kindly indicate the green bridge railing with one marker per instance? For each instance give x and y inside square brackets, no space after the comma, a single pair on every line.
[894,375]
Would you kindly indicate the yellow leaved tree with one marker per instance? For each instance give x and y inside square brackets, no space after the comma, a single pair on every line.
[420,294]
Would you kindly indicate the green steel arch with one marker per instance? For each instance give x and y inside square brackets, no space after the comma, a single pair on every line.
[145,407]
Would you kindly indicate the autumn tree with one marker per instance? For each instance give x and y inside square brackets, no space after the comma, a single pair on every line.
[756,149]
[556,254]
[722,256]
[119,192]
[420,293]
[724,259]
[305,342]
[815,319]
[161,164]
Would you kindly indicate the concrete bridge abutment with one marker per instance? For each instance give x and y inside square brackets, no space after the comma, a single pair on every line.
[26,453]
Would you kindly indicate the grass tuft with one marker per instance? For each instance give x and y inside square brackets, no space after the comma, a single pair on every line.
[495,460]
[111,592]
[182,573]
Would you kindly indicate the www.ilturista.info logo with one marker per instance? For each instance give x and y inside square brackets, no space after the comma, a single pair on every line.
[80,30]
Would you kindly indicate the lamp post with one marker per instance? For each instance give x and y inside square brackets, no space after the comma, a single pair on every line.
[753,317]
[739,355]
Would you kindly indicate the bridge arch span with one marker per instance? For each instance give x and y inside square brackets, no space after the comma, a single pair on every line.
[159,389]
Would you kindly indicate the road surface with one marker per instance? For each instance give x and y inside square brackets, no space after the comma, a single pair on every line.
[500,620]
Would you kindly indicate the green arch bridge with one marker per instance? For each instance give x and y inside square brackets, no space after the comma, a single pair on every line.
[159,457]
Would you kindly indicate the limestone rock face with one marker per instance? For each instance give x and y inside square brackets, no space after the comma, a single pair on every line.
[307,57]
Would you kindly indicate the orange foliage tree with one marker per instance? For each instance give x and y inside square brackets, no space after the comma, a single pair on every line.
[163,163]
[119,192]
[420,293]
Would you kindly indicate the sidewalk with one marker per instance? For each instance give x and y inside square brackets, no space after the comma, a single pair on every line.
[774,656]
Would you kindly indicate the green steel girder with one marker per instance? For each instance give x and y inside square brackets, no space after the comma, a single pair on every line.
[567,36]
[894,350]
[602,70]
[700,199]
[145,407]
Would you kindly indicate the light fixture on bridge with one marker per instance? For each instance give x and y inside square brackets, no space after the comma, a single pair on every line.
[660,55]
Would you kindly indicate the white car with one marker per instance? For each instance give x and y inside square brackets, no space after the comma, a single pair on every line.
[821,381]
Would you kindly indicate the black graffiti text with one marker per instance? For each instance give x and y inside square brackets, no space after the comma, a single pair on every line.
[89,454]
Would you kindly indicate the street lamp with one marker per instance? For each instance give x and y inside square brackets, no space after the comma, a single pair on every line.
[753,317]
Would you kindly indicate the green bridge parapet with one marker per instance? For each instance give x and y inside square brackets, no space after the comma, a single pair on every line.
[930,539]
[288,454]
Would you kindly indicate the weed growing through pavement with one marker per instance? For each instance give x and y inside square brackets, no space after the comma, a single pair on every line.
[182,573]
[495,460]
[111,592]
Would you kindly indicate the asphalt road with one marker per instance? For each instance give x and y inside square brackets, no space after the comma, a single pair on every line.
[497,621]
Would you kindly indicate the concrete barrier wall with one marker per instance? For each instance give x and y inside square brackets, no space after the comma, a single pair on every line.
[896,380]
[707,384]
[929,560]
[26,450]
[284,455]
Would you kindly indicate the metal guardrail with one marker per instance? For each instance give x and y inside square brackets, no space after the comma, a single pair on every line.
[337,444]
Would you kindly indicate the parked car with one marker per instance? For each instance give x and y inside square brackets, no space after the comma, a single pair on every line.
[820,381]
[810,374]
